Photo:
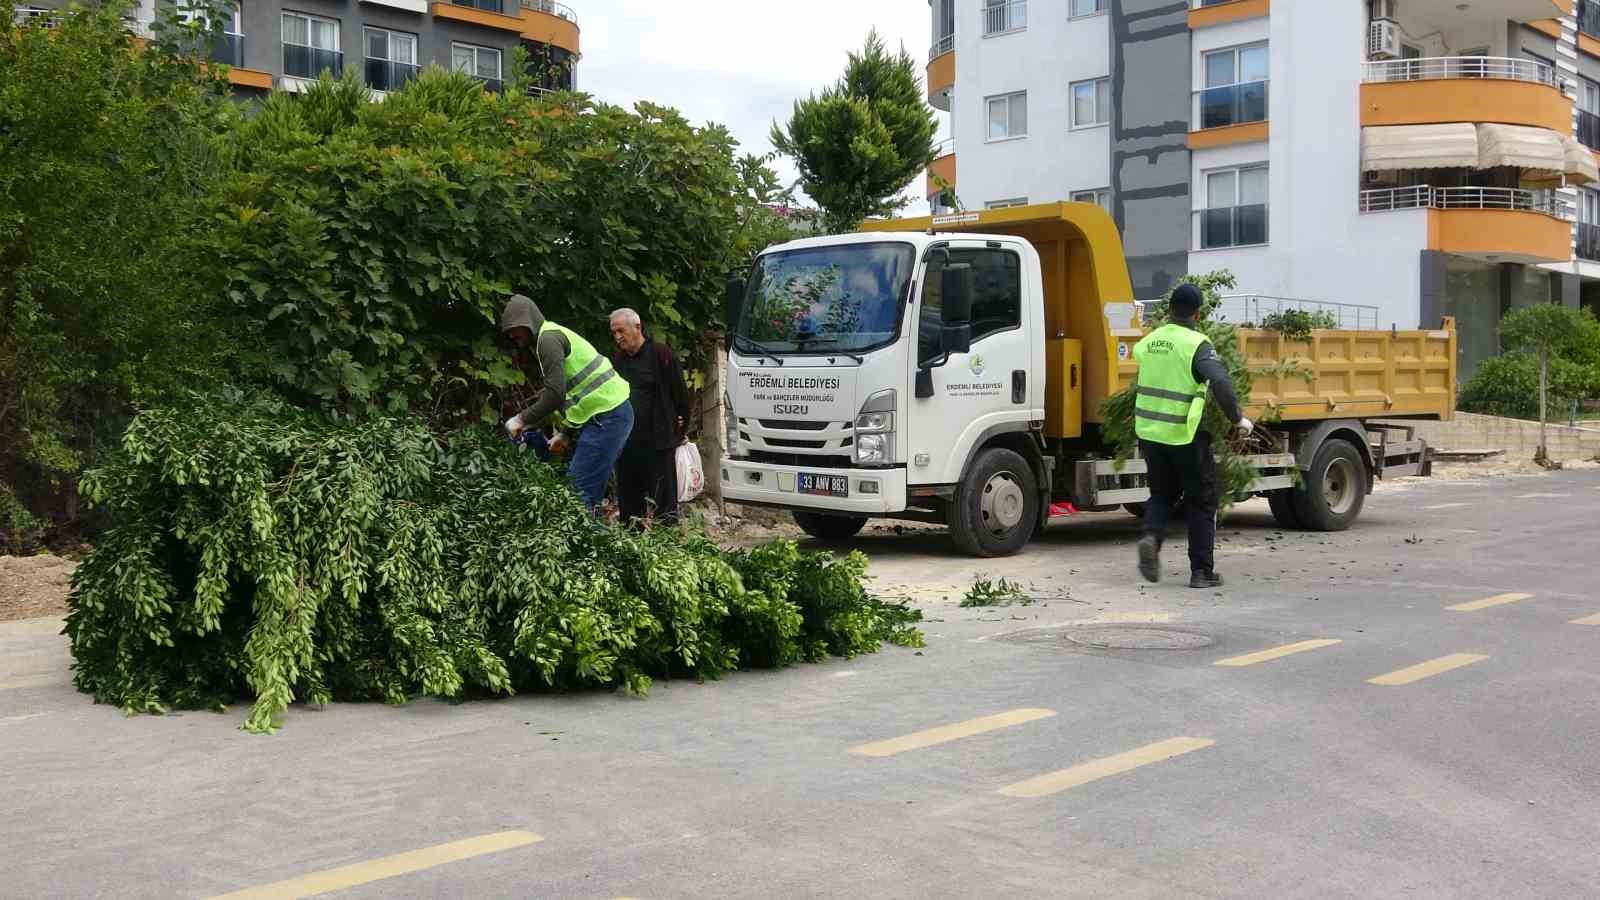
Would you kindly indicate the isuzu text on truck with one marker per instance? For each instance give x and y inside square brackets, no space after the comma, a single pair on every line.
[953,369]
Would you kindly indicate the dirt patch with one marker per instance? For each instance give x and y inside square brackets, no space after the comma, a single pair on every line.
[33,586]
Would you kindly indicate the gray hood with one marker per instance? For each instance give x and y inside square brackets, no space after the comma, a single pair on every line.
[519,310]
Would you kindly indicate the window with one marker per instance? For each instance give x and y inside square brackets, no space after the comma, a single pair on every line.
[1006,204]
[996,298]
[391,58]
[1100,197]
[227,47]
[482,63]
[1082,8]
[1001,16]
[1008,116]
[310,46]
[1235,91]
[1091,103]
[1236,208]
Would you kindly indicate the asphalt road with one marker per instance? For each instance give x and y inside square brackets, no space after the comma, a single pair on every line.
[1325,725]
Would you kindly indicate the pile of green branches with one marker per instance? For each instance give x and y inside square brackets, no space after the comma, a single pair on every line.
[259,551]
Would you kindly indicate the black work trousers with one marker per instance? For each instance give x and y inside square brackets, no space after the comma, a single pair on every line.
[1188,471]
[647,476]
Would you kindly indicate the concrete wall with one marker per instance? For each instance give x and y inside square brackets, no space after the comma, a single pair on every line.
[1150,48]
[1519,439]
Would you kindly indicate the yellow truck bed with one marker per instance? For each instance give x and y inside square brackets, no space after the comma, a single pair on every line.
[1092,324]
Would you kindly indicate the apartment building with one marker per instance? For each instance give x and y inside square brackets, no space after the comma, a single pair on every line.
[287,44]
[1400,160]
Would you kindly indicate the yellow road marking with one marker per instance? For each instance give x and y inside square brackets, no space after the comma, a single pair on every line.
[946,733]
[1250,659]
[1094,770]
[387,867]
[1588,620]
[1428,669]
[1485,603]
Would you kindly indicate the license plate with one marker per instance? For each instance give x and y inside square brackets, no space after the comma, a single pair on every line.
[825,485]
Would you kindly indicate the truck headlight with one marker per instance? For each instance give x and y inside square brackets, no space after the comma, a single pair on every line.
[730,427]
[874,431]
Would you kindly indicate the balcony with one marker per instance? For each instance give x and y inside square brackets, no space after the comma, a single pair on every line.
[943,166]
[388,75]
[1488,223]
[548,22]
[1463,89]
[37,17]
[492,85]
[300,61]
[1229,114]
[1589,241]
[494,6]
[1004,17]
[1589,17]
[485,13]
[942,72]
[1232,226]
[1208,13]
[227,49]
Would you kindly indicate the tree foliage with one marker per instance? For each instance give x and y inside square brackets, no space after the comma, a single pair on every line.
[862,140]
[1553,359]
[261,551]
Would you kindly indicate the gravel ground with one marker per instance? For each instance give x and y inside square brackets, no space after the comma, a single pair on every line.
[34,586]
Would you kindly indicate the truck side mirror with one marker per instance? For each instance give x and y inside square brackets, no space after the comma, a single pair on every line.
[733,302]
[956,296]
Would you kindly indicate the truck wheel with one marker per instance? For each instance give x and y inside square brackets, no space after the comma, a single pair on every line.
[829,528]
[1134,509]
[1282,503]
[1334,490]
[996,506]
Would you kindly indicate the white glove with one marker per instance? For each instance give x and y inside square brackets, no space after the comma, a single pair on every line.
[1246,426]
[514,425]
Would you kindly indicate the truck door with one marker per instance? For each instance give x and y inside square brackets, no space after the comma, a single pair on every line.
[971,391]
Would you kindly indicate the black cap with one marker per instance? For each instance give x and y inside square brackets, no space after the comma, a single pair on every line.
[1186,300]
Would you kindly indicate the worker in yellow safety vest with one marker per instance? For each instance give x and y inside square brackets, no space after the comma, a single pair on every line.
[581,384]
[1176,364]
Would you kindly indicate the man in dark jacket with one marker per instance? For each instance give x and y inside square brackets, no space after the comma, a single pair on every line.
[647,473]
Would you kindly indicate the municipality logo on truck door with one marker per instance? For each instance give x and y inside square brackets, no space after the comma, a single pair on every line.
[975,363]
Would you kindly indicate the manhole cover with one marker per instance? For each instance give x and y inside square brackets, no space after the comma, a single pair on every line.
[1138,637]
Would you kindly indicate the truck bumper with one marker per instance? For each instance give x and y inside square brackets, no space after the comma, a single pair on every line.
[873,492]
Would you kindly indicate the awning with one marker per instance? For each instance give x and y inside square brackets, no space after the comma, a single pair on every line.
[1581,168]
[1535,150]
[1388,147]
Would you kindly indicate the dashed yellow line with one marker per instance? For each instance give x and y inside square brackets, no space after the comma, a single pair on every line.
[946,733]
[1250,659]
[1485,603]
[1588,620]
[1428,669]
[1094,770]
[388,867]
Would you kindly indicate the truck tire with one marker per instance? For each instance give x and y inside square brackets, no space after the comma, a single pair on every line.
[1134,509]
[829,528]
[996,507]
[1282,503]
[1335,488]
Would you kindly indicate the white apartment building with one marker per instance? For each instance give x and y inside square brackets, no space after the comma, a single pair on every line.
[1405,159]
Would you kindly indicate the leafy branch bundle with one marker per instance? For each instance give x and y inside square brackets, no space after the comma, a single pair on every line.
[259,550]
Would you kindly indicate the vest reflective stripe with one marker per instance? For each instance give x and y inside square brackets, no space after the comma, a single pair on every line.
[1169,402]
[593,386]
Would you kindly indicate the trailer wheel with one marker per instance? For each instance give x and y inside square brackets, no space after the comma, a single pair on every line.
[996,506]
[1134,509]
[829,528]
[1335,488]
[1282,503]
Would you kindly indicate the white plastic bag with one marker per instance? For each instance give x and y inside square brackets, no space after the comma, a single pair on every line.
[691,477]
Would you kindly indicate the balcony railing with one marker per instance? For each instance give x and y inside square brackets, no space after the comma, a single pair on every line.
[1423,196]
[300,61]
[1233,226]
[494,6]
[1254,308]
[1589,129]
[388,75]
[999,18]
[944,45]
[1589,241]
[1589,17]
[492,85]
[228,49]
[1231,104]
[559,10]
[944,148]
[36,17]
[1440,67]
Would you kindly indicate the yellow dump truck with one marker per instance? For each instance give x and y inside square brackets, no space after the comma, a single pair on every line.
[952,369]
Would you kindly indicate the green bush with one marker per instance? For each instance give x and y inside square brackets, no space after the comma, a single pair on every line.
[1508,385]
[261,551]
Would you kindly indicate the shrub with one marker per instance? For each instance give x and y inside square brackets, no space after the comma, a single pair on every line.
[1508,385]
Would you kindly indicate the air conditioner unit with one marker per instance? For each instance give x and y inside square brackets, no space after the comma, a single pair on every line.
[1383,40]
[1385,9]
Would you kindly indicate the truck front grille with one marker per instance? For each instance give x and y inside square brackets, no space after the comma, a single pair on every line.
[816,461]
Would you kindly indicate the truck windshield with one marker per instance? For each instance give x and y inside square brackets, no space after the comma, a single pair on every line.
[845,298]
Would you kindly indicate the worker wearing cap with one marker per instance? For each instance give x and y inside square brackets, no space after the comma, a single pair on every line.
[1176,364]
[582,385]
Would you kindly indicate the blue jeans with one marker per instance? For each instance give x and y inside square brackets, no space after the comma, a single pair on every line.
[600,442]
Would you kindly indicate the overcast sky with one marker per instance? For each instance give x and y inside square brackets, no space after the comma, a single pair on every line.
[739,63]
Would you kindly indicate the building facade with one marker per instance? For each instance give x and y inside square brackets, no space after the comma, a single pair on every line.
[287,44]
[1400,160]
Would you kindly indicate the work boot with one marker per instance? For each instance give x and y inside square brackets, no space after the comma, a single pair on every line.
[1199,579]
[1150,558]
